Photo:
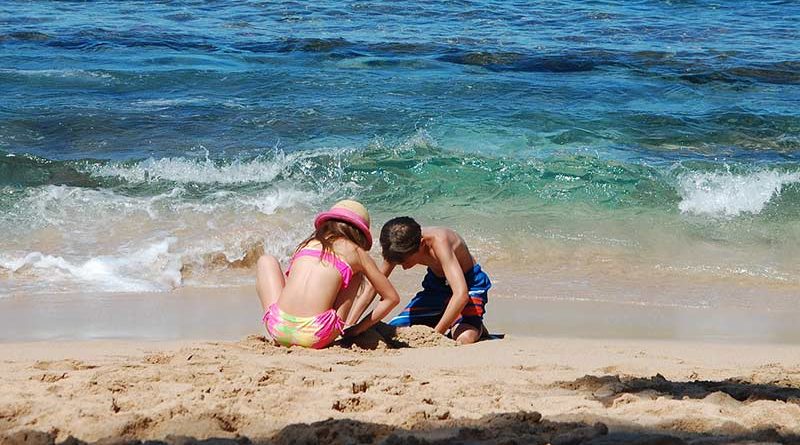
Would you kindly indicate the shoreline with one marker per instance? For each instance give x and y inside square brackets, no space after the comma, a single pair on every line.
[234,312]
[690,391]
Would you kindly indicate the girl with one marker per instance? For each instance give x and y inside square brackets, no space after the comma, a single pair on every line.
[308,307]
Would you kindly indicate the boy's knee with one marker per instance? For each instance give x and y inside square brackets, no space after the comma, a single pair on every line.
[466,334]
[467,339]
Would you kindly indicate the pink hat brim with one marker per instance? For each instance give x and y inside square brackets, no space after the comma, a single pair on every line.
[341,214]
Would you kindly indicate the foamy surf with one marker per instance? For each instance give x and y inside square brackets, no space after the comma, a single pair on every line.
[61,238]
[150,269]
[730,194]
[87,220]
[183,170]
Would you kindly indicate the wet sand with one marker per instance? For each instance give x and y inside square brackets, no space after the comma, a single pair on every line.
[234,312]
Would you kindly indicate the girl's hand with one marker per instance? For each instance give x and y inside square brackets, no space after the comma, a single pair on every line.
[349,331]
[379,282]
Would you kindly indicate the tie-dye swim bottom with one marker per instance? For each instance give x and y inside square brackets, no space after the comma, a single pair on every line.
[310,332]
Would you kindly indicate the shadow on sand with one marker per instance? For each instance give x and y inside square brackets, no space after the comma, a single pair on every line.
[495,429]
[384,336]
[607,388]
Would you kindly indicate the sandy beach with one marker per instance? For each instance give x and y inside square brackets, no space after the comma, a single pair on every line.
[626,173]
[409,386]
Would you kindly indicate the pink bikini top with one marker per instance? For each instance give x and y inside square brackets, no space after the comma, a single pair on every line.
[343,268]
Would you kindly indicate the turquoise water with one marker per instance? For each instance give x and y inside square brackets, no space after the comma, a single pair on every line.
[584,149]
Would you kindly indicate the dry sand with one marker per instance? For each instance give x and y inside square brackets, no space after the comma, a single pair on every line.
[407,387]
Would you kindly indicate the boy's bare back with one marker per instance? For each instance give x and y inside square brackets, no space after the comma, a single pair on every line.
[444,237]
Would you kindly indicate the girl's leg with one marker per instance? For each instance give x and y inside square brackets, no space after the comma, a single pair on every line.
[344,301]
[269,280]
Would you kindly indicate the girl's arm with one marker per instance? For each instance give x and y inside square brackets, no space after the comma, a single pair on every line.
[379,282]
[364,299]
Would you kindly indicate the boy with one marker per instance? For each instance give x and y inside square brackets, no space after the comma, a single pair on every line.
[454,291]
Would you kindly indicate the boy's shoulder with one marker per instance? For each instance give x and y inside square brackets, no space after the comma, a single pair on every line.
[442,233]
[439,230]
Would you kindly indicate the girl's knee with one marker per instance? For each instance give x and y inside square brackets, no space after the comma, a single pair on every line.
[267,262]
[268,269]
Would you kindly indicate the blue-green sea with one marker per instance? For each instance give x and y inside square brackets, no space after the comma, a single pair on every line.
[634,151]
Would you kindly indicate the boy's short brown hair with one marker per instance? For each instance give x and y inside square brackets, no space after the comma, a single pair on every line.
[400,238]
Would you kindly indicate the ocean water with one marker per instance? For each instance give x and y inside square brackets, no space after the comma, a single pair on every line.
[643,152]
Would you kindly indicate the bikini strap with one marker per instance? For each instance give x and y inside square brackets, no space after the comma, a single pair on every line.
[344,269]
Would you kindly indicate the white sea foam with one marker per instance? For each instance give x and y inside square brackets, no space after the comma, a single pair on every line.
[81,210]
[102,240]
[153,268]
[166,103]
[267,202]
[271,202]
[159,104]
[207,171]
[729,194]
[190,171]
[91,213]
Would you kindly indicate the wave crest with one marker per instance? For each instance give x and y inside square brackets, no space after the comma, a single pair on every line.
[730,194]
[151,269]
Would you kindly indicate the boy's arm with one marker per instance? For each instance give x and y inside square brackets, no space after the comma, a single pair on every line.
[379,283]
[367,295]
[455,277]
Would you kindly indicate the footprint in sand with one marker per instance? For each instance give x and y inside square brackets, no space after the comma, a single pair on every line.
[352,404]
[309,382]
[272,376]
[51,378]
[395,390]
[158,358]
[118,386]
[62,365]
[424,416]
[360,387]
[227,422]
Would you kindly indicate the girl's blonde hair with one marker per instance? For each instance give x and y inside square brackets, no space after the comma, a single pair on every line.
[331,230]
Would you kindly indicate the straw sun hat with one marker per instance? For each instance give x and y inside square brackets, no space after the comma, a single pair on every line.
[349,211]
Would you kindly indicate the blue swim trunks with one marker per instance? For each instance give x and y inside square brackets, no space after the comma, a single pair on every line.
[427,307]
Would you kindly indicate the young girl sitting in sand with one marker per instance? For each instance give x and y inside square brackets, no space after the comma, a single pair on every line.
[307,308]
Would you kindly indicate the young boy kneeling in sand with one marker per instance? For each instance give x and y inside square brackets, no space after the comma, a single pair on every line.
[454,291]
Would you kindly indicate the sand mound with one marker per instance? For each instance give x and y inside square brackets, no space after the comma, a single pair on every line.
[419,337]
[383,336]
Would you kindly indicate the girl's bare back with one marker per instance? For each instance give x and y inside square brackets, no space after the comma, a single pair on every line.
[313,285]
